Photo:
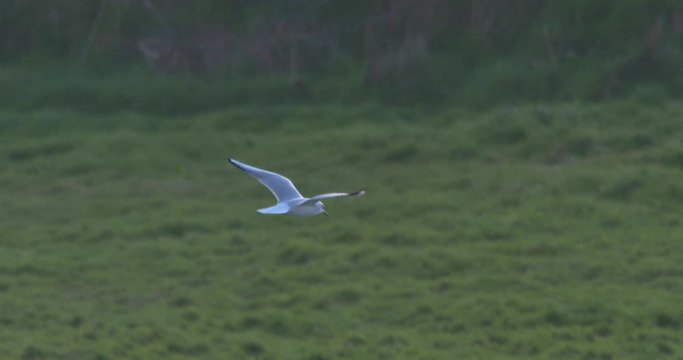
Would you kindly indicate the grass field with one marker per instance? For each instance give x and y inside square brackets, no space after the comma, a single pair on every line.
[528,232]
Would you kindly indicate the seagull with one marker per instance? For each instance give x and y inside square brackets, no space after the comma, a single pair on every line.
[289,200]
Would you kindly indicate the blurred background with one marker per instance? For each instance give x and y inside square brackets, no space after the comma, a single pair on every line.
[474,53]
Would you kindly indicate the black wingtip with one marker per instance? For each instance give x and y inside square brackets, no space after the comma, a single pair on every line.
[234,162]
[357,193]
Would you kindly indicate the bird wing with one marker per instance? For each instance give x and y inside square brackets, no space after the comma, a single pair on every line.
[334,195]
[281,187]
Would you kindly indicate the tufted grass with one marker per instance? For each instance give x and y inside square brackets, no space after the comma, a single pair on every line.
[530,232]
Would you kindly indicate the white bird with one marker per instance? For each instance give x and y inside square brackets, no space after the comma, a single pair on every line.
[289,200]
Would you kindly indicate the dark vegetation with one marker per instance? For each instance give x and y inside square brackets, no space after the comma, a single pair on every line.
[466,52]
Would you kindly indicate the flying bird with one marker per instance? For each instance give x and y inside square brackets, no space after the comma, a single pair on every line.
[289,200]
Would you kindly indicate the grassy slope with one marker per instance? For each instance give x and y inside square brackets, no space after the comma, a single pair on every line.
[529,232]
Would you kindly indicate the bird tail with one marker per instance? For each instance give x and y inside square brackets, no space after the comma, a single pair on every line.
[280,208]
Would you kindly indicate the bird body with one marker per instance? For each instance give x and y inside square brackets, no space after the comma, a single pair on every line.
[289,200]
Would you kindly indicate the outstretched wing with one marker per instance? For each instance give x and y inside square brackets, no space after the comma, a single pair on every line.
[280,186]
[334,195]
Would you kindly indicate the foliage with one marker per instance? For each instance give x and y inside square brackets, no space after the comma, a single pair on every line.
[405,51]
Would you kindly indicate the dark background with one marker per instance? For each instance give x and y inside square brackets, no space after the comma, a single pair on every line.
[474,53]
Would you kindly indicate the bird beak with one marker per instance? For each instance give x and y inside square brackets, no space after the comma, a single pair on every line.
[325,212]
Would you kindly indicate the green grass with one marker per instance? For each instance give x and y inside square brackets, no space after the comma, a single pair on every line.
[530,232]
[441,81]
